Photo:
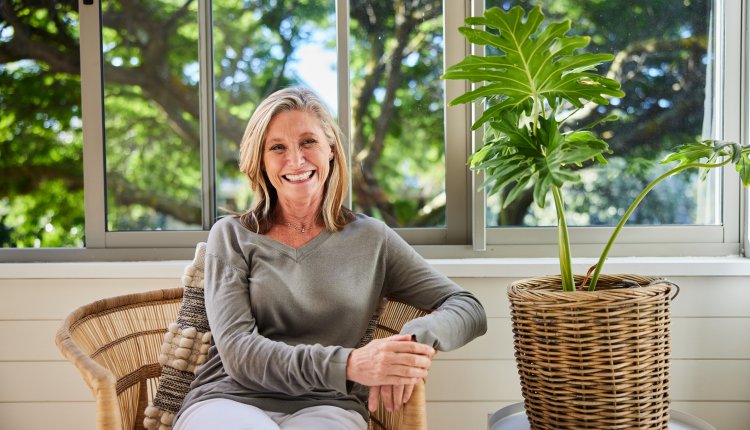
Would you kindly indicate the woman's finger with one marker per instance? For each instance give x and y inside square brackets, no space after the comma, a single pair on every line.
[373,399]
[398,396]
[386,393]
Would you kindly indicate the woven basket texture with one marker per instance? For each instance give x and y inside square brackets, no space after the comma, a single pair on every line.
[593,360]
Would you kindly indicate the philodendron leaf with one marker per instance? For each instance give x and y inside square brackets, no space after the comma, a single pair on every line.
[535,73]
[692,152]
[517,157]
[743,166]
[711,152]
[562,152]
[532,65]
[505,159]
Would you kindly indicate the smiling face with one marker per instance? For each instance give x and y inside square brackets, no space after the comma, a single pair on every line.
[296,157]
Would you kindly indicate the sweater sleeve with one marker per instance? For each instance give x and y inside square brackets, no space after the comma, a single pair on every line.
[457,316]
[252,360]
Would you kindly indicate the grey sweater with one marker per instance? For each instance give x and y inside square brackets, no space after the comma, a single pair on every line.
[284,321]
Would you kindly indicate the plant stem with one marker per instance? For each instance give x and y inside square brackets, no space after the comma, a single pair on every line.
[631,209]
[563,243]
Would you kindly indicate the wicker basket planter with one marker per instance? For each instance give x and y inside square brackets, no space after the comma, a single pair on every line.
[593,360]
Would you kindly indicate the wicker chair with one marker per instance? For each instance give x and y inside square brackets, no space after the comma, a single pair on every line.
[115,343]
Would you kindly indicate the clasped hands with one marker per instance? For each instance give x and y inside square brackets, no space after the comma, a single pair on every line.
[390,367]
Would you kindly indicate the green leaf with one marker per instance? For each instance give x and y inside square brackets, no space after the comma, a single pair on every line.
[533,65]
[516,191]
[743,167]
[479,37]
[693,152]
[541,188]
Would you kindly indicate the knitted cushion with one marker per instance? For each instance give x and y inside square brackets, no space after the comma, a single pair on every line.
[184,348]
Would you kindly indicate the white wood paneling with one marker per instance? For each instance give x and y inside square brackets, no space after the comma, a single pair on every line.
[29,340]
[711,338]
[461,415]
[32,299]
[48,415]
[42,381]
[495,344]
[710,368]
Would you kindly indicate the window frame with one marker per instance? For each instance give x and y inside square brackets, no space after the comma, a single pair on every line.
[466,234]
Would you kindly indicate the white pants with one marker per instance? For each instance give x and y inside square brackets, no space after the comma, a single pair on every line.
[227,414]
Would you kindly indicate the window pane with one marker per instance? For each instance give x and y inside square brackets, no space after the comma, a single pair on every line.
[398,159]
[663,62]
[41,185]
[150,56]
[261,47]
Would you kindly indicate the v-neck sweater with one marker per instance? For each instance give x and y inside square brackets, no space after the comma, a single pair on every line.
[285,320]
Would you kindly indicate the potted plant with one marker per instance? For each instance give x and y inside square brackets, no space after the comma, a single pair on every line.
[590,353]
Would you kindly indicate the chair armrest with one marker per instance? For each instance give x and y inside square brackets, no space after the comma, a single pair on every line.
[415,412]
[100,380]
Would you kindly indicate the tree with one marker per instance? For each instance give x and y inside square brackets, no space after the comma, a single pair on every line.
[41,197]
[152,112]
[151,102]
[397,114]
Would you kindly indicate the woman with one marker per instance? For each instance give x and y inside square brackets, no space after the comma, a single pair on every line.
[291,285]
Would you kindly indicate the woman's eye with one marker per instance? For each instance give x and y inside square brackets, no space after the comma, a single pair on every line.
[277,147]
[308,142]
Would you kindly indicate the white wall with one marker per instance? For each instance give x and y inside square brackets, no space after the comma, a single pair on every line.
[710,375]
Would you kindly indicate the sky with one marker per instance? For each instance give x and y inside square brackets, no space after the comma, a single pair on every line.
[315,65]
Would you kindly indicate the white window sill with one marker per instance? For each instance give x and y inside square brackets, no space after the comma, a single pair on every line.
[650,266]
[458,268]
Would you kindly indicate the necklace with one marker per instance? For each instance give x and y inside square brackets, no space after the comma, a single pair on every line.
[300,229]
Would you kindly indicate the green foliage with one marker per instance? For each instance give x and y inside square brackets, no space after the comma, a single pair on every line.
[663,56]
[535,70]
[536,76]
[41,196]
[397,114]
[713,152]
[519,157]
[152,119]
[151,84]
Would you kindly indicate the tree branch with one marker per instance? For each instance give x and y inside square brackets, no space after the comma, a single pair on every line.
[34,44]
[128,194]
[25,179]
[368,191]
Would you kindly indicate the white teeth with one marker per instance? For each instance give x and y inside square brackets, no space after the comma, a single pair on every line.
[300,177]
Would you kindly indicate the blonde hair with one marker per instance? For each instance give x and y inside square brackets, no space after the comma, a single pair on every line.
[259,217]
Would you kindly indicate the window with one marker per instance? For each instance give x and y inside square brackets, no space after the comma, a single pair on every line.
[673,63]
[41,142]
[664,55]
[151,116]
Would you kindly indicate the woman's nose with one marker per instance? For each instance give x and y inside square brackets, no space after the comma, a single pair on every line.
[296,157]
